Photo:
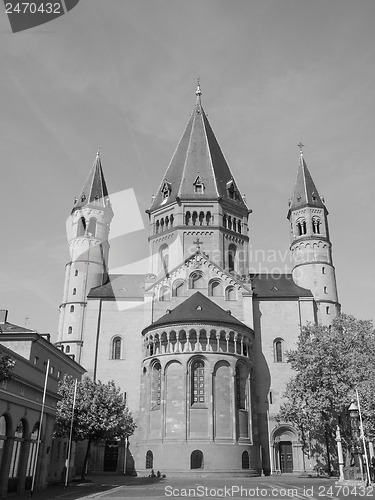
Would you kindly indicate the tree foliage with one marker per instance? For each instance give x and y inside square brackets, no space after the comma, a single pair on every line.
[330,364]
[6,366]
[100,412]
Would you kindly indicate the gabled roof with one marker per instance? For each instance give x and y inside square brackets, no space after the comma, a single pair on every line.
[305,192]
[198,156]
[197,309]
[277,286]
[95,189]
[120,286]
[201,256]
[11,328]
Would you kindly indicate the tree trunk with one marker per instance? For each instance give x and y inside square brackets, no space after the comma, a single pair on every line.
[328,455]
[83,473]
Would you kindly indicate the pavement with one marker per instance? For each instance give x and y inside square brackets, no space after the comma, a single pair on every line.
[137,488]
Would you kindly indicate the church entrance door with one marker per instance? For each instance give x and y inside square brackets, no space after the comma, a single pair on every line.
[286,456]
[110,456]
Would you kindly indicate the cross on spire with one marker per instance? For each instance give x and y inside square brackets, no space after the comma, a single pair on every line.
[300,146]
[198,92]
[198,243]
[98,148]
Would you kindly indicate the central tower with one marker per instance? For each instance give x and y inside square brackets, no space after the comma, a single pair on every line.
[198,205]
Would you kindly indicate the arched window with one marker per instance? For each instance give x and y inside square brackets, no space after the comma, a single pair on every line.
[81,227]
[91,230]
[208,218]
[76,272]
[196,460]
[278,349]
[316,222]
[157,226]
[17,443]
[156,386]
[301,227]
[164,258]
[165,293]
[241,387]
[230,293]
[74,291]
[31,460]
[225,221]
[197,382]
[232,250]
[323,270]
[201,218]
[149,460]
[229,222]
[215,288]
[179,288]
[245,460]
[187,218]
[325,289]
[70,329]
[196,280]
[171,219]
[3,435]
[194,218]
[116,348]
[72,309]
[327,309]
[67,349]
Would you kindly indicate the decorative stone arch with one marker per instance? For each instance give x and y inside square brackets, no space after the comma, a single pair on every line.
[165,293]
[287,453]
[179,288]
[215,288]
[196,280]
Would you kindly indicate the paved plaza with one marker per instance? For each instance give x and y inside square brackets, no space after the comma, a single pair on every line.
[275,487]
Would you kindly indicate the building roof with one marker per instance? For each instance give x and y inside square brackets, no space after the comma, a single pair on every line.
[197,309]
[277,286]
[95,189]
[198,159]
[305,192]
[120,286]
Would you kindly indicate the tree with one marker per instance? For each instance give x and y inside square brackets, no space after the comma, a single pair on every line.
[6,365]
[330,364]
[100,413]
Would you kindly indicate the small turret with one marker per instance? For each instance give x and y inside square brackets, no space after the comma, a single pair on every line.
[88,229]
[311,248]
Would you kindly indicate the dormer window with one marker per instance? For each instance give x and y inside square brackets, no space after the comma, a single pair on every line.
[198,185]
[166,189]
[231,190]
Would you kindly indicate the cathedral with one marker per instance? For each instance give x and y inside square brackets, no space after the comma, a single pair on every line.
[197,343]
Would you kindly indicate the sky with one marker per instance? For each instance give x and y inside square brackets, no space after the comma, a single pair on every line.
[121,74]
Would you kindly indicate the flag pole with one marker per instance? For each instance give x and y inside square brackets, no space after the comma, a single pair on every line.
[363,440]
[67,462]
[40,430]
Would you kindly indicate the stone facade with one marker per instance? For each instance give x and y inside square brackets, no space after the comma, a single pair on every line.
[197,343]
[21,398]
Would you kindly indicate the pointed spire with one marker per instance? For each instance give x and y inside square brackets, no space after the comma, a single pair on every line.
[198,92]
[305,192]
[198,169]
[95,189]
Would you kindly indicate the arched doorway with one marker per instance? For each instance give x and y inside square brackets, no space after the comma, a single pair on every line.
[283,439]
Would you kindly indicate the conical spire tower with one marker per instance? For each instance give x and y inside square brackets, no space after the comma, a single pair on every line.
[198,189]
[88,230]
[311,248]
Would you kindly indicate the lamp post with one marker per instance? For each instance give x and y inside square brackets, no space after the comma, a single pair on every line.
[340,454]
[354,421]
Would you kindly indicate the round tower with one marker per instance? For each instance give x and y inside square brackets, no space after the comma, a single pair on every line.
[87,231]
[311,248]
[197,399]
